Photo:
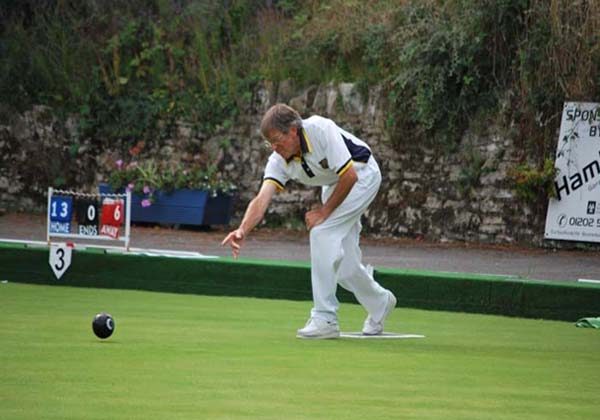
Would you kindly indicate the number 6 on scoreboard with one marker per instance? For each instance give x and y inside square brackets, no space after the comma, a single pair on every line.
[117,214]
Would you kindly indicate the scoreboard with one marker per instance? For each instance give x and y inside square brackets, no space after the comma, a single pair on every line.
[73,214]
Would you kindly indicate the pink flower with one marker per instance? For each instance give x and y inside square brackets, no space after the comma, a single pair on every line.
[146,189]
[119,163]
[146,202]
[129,187]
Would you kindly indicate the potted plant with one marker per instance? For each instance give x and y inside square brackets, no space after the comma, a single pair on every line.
[172,192]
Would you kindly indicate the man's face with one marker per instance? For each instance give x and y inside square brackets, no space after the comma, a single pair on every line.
[285,144]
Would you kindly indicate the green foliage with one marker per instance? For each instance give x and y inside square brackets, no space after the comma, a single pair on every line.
[43,57]
[558,59]
[447,67]
[148,81]
[131,69]
[344,40]
[534,184]
[472,169]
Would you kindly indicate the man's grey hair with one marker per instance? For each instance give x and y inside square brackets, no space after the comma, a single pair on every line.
[280,117]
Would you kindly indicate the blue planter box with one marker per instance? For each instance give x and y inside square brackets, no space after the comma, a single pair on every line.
[218,210]
[185,207]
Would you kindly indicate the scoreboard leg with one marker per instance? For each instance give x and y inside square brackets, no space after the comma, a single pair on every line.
[50,190]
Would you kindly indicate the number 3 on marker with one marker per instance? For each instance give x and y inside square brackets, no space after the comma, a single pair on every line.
[60,258]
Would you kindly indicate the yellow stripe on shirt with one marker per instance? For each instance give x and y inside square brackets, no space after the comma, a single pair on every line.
[344,168]
[278,184]
[308,146]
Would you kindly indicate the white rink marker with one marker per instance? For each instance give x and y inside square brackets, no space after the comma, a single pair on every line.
[384,335]
[588,281]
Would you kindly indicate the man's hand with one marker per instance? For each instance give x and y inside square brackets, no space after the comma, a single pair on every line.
[315,217]
[235,240]
[254,214]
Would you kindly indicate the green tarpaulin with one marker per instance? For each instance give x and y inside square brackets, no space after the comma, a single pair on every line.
[588,323]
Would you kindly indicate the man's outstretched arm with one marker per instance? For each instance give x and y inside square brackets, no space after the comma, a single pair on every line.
[254,214]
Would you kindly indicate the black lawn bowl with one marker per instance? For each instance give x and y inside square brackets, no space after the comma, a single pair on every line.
[103,325]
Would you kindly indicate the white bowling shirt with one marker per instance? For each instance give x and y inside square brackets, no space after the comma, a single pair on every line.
[327,152]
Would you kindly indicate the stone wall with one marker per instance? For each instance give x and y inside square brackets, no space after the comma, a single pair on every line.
[463,195]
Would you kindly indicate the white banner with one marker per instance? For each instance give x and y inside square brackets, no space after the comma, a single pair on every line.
[574,215]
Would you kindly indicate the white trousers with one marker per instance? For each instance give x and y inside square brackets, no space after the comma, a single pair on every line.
[335,253]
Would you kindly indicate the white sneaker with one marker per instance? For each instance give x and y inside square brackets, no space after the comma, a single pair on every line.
[375,328]
[319,328]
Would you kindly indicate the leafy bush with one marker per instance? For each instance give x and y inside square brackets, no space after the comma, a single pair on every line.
[44,59]
[148,82]
[533,184]
[448,65]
